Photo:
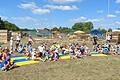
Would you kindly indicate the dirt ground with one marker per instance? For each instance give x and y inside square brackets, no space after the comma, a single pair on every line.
[89,68]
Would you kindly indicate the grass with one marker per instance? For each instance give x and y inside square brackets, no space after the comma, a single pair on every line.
[89,68]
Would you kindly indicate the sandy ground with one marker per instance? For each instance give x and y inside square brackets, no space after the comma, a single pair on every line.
[89,68]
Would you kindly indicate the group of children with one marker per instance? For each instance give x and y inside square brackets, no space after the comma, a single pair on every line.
[107,48]
[54,52]
[51,53]
[5,62]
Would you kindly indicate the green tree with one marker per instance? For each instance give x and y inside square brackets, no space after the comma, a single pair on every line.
[2,26]
[83,26]
[109,30]
[10,26]
[102,30]
[46,29]
[65,30]
[7,25]
[55,29]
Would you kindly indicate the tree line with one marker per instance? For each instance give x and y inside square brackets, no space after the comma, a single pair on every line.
[83,26]
[8,26]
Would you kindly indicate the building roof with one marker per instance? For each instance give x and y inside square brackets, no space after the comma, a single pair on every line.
[42,31]
[116,30]
[3,30]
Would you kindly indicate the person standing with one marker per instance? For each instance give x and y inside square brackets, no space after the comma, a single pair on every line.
[30,39]
[95,39]
[108,38]
[11,45]
[18,38]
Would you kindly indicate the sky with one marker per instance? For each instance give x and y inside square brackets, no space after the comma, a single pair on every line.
[35,14]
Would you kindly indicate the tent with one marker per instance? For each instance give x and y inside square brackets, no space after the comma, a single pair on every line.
[79,32]
[96,32]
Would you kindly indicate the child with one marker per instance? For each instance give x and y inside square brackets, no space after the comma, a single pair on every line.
[47,55]
[3,65]
[56,54]
[33,54]
[78,53]
[105,49]
[11,45]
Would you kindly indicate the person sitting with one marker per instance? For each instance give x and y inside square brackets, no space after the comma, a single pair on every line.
[47,55]
[41,49]
[105,49]
[33,54]
[78,53]
[3,65]
[56,54]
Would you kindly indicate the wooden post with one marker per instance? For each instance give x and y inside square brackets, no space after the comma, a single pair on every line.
[118,38]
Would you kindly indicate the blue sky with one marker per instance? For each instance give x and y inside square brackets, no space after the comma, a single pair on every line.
[52,13]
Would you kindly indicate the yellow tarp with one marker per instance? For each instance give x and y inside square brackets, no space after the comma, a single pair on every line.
[26,63]
[98,55]
[65,57]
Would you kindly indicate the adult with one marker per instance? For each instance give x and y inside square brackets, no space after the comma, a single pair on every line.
[11,45]
[18,38]
[95,40]
[30,39]
[108,38]
[119,39]
[41,49]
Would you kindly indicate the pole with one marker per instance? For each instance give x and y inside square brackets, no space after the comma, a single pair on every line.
[108,7]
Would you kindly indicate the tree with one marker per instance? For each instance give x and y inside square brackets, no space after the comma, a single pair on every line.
[65,30]
[118,28]
[109,30]
[102,30]
[83,26]
[10,26]
[55,29]
[2,26]
[46,29]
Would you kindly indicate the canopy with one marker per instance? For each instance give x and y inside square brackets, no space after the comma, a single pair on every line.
[79,32]
[55,46]
[96,32]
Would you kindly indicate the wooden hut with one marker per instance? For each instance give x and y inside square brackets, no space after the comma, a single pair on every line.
[5,36]
[115,36]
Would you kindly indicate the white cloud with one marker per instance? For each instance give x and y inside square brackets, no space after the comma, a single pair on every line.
[33,8]
[61,7]
[94,20]
[117,12]
[29,5]
[117,22]
[27,19]
[3,17]
[117,1]
[100,11]
[82,18]
[111,16]
[64,1]
[40,11]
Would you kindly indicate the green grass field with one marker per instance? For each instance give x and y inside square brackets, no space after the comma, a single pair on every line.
[89,68]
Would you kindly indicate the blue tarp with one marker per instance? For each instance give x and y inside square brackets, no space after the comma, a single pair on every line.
[96,32]
[21,60]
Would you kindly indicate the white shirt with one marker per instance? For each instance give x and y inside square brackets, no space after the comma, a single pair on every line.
[18,37]
[108,37]
[40,48]
[33,55]
[11,42]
